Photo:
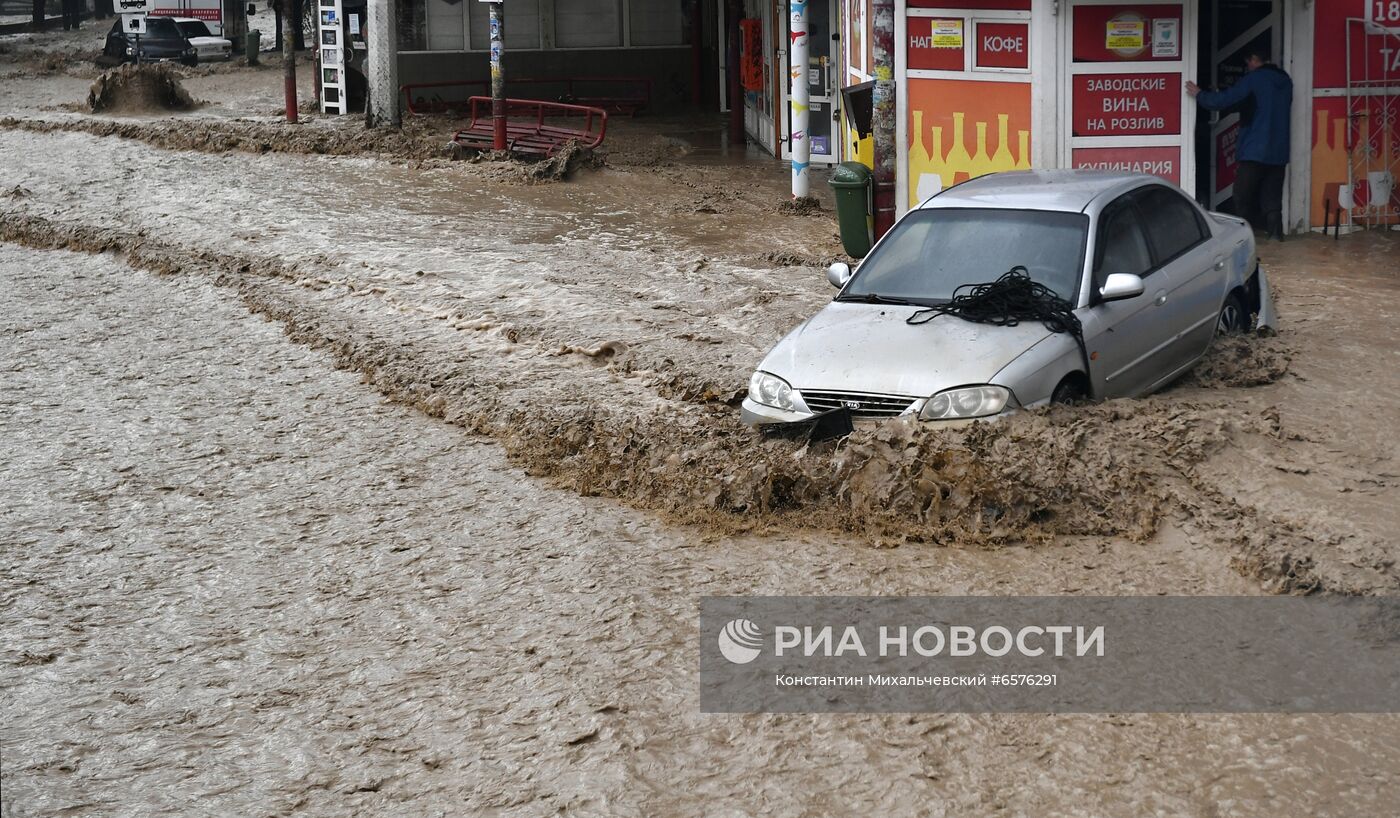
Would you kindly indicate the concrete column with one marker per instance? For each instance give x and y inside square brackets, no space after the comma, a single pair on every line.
[382,37]
[799,100]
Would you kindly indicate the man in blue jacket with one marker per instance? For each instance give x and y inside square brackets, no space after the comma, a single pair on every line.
[1265,99]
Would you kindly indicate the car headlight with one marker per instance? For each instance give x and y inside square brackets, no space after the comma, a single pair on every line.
[966,402]
[770,390]
[131,49]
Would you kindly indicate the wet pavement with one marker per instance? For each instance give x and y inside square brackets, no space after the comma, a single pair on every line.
[238,580]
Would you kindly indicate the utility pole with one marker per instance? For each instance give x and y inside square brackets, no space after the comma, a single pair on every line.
[799,100]
[884,114]
[289,59]
[498,75]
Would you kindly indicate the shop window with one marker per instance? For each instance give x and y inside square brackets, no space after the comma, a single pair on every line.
[413,25]
[444,18]
[588,24]
[658,22]
[522,24]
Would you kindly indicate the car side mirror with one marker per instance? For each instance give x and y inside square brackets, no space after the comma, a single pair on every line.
[838,274]
[1119,286]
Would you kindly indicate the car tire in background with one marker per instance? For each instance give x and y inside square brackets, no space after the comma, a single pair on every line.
[1234,316]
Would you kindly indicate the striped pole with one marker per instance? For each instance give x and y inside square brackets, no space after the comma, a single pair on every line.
[799,100]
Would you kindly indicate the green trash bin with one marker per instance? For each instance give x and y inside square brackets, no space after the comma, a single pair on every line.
[251,44]
[851,183]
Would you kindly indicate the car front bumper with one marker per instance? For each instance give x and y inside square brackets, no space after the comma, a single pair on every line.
[756,414]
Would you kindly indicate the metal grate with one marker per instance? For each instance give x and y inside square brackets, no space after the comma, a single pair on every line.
[861,404]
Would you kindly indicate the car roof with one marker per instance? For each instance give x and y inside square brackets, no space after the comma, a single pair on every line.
[1071,191]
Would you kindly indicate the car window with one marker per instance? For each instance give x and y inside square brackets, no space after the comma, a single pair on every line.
[1173,225]
[1122,246]
[932,252]
[194,28]
[162,27]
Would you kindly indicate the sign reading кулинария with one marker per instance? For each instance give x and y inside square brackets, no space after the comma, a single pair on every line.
[1049,654]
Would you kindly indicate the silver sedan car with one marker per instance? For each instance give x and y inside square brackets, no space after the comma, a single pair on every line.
[1151,277]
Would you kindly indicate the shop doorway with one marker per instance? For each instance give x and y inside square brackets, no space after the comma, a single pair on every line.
[1229,29]
[823,71]
[1122,98]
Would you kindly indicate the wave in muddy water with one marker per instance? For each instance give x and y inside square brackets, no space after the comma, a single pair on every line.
[415,143]
[1114,469]
[1241,361]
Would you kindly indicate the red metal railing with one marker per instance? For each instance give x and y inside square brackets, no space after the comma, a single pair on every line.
[529,130]
[620,94]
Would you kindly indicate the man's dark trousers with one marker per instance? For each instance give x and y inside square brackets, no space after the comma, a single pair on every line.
[1258,196]
[72,13]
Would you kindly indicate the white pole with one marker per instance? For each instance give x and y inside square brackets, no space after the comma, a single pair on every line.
[799,102]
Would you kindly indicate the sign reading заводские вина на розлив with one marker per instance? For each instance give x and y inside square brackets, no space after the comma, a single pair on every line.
[1050,654]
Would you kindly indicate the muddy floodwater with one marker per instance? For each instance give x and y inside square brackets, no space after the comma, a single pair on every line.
[378,483]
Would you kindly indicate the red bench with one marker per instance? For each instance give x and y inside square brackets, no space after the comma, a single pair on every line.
[626,95]
[529,126]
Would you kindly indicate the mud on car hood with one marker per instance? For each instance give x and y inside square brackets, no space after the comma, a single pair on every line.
[869,348]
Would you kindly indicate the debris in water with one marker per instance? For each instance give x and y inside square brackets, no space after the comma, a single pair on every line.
[801,206]
[139,89]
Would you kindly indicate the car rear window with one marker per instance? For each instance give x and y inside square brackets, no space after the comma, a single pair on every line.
[932,252]
[1171,222]
[194,28]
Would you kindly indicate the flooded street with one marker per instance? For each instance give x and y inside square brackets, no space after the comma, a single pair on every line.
[376,484]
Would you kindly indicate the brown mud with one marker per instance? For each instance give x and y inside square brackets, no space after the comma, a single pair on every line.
[1117,469]
[139,89]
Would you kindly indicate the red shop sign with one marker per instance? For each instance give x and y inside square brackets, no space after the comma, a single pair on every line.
[936,43]
[1127,104]
[1003,45]
[1124,31]
[1160,161]
[1225,165]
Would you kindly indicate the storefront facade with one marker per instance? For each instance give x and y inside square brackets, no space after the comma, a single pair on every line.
[991,85]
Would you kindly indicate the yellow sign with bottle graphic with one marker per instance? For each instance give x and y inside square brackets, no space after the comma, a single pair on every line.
[941,112]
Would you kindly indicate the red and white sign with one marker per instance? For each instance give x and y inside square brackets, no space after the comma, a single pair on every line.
[1003,45]
[931,44]
[1127,104]
[1160,161]
[1385,13]
[1225,163]
[1121,32]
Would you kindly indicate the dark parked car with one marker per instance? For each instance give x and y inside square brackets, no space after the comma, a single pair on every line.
[162,41]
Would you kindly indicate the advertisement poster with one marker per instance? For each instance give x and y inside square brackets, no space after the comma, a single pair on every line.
[1166,38]
[1124,35]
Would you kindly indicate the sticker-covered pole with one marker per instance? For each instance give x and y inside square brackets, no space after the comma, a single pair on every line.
[884,114]
[799,101]
[498,75]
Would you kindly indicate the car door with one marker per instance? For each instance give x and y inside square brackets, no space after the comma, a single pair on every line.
[1128,339]
[1195,266]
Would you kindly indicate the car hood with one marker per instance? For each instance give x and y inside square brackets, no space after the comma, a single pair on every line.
[208,41]
[870,348]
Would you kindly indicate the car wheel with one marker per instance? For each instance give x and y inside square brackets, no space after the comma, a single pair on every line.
[1069,392]
[1234,318]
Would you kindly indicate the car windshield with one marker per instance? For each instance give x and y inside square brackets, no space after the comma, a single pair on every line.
[194,28]
[162,28]
[933,252]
